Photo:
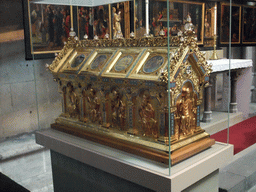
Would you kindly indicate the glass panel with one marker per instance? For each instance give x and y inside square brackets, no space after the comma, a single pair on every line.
[46,37]
[222,73]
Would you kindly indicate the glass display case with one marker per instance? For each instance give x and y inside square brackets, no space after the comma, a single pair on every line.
[132,76]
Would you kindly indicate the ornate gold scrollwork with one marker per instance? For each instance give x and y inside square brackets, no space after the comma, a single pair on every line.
[118,110]
[94,107]
[72,102]
[147,117]
[185,117]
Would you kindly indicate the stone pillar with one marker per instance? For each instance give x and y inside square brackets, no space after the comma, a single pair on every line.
[253,88]
[225,93]
[213,78]
[207,116]
[233,81]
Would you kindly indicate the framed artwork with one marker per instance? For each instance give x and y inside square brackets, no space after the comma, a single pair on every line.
[47,27]
[178,12]
[249,25]
[235,23]
[93,21]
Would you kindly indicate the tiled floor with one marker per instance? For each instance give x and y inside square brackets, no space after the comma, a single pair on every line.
[16,146]
[32,171]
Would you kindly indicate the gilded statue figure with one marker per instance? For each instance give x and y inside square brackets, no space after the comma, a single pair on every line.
[94,107]
[117,32]
[147,115]
[186,113]
[118,110]
[72,102]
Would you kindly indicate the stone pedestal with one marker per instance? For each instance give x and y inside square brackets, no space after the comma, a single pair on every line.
[233,108]
[207,116]
[81,165]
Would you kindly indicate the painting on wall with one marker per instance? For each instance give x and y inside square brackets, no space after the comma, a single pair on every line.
[235,23]
[47,27]
[249,25]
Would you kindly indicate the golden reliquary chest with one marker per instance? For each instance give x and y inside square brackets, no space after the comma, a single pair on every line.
[115,92]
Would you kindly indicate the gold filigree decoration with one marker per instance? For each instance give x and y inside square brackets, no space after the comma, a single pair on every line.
[187,39]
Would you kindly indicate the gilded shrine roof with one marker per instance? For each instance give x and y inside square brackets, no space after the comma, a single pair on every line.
[145,58]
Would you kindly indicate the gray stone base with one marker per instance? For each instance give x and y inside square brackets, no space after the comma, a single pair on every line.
[233,108]
[207,116]
[72,175]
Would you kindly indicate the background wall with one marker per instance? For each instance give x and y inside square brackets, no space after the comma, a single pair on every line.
[29,99]
[11,15]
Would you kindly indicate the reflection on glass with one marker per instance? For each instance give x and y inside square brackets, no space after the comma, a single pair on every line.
[158,18]
[123,63]
[93,21]
[99,61]
[153,64]
[78,60]
[139,19]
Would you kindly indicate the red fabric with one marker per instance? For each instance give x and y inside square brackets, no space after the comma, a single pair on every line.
[241,135]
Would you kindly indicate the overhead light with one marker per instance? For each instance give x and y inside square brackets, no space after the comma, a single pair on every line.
[251,3]
[85,3]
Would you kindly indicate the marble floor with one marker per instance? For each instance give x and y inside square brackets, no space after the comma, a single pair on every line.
[32,171]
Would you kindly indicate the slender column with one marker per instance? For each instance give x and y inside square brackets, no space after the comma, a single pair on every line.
[207,116]
[213,78]
[233,103]
[253,90]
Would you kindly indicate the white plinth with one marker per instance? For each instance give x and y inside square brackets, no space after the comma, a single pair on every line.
[244,82]
[146,173]
[221,65]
